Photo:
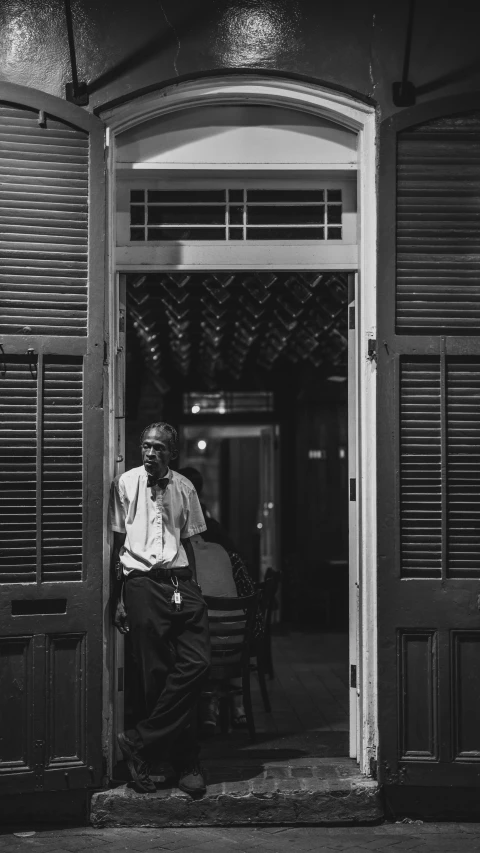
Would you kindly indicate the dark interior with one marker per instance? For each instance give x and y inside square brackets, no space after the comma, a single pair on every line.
[281,332]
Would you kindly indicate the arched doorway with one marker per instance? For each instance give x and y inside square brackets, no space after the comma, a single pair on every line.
[169,135]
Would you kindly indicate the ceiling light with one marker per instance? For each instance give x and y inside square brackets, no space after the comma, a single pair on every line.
[202,445]
[195,410]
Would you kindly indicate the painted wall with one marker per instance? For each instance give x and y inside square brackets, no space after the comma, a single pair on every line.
[124,46]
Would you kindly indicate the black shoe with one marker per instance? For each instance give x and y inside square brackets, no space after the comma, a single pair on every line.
[139,769]
[191,779]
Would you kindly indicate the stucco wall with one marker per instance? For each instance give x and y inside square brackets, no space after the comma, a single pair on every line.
[124,46]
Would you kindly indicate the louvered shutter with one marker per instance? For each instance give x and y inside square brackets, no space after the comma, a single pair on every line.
[429,448]
[438,226]
[51,442]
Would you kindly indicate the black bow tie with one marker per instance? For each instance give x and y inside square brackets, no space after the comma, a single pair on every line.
[158,481]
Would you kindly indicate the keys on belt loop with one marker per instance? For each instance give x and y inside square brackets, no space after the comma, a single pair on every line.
[177,600]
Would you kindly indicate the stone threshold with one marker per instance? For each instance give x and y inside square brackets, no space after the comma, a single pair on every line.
[314,791]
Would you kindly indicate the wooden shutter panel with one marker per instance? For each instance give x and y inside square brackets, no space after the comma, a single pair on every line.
[62,471]
[44,223]
[420,469]
[18,469]
[429,447]
[463,467]
[438,218]
[51,440]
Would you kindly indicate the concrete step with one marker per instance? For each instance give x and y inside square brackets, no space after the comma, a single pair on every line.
[312,791]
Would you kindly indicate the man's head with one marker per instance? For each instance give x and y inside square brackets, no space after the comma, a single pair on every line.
[158,444]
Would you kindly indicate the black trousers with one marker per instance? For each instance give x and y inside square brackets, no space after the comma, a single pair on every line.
[172,654]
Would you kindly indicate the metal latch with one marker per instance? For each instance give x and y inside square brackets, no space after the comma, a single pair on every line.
[353,489]
[372,349]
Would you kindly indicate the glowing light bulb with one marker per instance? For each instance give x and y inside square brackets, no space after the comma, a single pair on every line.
[259,525]
[195,410]
[202,444]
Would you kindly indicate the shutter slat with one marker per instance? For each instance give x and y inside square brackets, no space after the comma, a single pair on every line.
[67,238]
[36,169]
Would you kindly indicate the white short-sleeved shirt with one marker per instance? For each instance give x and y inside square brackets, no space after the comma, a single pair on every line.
[155,520]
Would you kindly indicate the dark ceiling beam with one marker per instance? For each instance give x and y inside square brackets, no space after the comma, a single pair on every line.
[76,92]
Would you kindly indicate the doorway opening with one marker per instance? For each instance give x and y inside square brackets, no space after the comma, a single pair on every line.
[255,132]
[252,368]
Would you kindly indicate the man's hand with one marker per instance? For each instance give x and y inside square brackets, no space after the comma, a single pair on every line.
[120,619]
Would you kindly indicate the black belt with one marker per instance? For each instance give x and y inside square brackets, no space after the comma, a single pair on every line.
[183,574]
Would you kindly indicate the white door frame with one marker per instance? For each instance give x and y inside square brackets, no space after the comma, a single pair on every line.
[355,115]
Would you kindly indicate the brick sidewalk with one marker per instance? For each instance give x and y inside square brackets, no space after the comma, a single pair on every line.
[437,838]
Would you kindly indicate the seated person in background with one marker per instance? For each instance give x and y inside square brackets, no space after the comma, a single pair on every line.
[220,572]
[214,532]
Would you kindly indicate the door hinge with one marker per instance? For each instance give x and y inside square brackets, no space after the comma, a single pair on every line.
[351,317]
[372,349]
[105,352]
[353,489]
[353,675]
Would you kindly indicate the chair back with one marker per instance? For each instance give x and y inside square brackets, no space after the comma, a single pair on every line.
[268,590]
[231,622]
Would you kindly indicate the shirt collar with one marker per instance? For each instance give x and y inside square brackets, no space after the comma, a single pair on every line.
[168,473]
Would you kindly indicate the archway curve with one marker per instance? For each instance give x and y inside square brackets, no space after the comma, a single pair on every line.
[350,113]
[305,97]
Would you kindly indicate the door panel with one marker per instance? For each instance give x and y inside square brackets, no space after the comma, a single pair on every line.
[16,677]
[51,443]
[429,449]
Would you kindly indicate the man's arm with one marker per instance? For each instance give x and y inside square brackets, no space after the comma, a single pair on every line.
[190,557]
[120,614]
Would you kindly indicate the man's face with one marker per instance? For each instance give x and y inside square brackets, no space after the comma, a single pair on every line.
[156,452]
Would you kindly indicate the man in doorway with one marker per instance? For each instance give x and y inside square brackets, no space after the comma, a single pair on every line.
[155,511]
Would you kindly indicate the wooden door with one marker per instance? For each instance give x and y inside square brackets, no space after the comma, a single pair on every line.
[51,442]
[429,447]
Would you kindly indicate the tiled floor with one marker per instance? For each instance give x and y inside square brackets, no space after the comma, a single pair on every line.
[310,690]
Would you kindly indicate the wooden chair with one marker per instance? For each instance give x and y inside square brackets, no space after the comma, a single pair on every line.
[232,622]
[268,589]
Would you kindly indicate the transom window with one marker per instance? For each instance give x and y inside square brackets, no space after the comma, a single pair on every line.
[236,214]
